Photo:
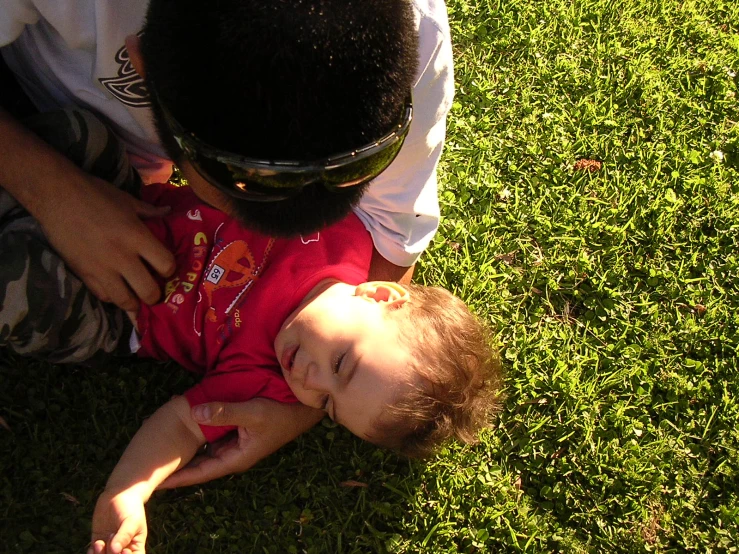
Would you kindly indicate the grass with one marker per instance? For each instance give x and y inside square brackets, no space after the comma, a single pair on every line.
[614,294]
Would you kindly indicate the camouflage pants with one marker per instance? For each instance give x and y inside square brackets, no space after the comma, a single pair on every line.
[46,311]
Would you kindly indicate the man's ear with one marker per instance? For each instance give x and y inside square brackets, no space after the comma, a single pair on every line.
[133,46]
[388,292]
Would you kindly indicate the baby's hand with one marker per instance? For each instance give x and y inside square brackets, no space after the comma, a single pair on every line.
[118,524]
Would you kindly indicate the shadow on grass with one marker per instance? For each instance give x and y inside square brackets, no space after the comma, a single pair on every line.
[67,427]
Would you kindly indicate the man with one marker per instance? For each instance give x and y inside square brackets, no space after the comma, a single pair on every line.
[296,82]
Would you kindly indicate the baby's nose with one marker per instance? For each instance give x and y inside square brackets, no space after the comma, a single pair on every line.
[311,377]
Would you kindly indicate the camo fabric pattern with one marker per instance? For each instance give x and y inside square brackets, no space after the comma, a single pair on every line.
[46,311]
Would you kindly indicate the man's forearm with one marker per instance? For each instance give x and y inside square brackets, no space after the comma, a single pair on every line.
[31,170]
[383,270]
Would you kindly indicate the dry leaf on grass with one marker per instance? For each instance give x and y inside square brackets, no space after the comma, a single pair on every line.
[507,258]
[70,498]
[352,483]
[588,165]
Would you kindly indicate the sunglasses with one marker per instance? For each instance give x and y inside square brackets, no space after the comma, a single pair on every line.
[273,180]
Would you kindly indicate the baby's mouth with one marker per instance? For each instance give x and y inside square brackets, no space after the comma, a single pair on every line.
[288,358]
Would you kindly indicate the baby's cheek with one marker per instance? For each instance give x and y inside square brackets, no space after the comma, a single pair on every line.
[303,396]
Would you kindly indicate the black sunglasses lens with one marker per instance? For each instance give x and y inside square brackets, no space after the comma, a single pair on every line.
[235,182]
[278,181]
[273,181]
[362,170]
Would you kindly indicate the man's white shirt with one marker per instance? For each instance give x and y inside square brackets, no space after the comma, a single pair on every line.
[72,52]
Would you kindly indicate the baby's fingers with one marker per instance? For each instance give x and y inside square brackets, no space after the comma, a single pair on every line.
[98,547]
[126,537]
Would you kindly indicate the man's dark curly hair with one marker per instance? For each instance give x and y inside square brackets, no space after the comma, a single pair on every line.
[282,79]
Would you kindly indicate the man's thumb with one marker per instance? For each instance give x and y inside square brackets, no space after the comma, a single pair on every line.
[208,414]
[223,413]
[253,414]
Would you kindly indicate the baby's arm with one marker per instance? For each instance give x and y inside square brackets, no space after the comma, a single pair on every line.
[166,441]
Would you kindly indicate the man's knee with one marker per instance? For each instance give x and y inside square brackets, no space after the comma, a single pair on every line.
[45,310]
[69,131]
[83,138]
[31,290]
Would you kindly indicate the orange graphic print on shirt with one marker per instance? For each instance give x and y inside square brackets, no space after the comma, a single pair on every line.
[232,267]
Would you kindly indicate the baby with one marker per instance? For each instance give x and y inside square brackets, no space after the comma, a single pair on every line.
[402,366]
[289,319]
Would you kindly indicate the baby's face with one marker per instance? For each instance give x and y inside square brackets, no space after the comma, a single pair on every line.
[340,353]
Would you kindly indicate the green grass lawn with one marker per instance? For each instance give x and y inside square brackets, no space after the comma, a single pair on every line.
[614,294]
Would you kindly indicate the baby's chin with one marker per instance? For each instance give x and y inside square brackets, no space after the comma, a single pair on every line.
[277,345]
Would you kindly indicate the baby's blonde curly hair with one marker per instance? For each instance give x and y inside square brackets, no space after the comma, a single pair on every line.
[457,373]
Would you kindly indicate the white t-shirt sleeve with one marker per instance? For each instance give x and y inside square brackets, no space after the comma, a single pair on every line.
[14,16]
[401,207]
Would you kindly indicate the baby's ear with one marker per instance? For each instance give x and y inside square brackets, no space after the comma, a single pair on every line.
[388,292]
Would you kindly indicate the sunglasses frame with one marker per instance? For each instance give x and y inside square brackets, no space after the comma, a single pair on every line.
[269,171]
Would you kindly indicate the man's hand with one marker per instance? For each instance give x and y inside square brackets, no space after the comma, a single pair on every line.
[98,231]
[95,227]
[118,524]
[264,426]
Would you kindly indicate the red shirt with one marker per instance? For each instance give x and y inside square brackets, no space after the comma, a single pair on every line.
[232,291]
